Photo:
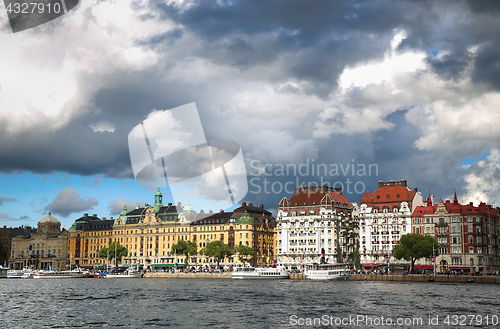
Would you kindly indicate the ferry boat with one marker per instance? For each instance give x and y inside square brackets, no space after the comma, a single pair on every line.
[76,273]
[327,272]
[248,272]
[122,272]
[14,274]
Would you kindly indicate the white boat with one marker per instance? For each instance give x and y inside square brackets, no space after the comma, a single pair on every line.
[327,272]
[122,272]
[248,272]
[14,274]
[76,273]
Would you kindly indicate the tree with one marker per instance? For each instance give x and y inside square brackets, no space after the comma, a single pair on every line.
[3,254]
[244,253]
[218,250]
[186,248]
[338,250]
[413,246]
[357,259]
[120,252]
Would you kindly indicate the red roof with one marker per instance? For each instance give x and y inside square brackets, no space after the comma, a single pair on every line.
[310,198]
[388,196]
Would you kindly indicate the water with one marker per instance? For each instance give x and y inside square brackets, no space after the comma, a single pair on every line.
[180,303]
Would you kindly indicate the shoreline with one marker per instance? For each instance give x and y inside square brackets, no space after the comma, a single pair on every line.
[357,277]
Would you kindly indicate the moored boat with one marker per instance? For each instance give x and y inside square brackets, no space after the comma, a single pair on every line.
[122,272]
[327,272]
[248,272]
[77,273]
[14,274]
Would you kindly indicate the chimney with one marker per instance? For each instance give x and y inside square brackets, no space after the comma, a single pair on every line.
[403,183]
[170,203]
[323,188]
[415,189]
[297,189]
[85,215]
[380,184]
[104,218]
[202,211]
[210,212]
[261,206]
[95,215]
[111,217]
[243,204]
[391,183]
[250,204]
[221,211]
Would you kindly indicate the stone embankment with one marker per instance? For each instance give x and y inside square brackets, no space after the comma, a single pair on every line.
[357,277]
[427,278]
[180,275]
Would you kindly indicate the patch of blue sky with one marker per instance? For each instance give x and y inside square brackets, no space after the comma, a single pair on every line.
[468,161]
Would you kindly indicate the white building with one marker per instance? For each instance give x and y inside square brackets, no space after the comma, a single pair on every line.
[311,222]
[384,217]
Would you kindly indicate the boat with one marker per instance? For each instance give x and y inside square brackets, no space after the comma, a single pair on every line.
[122,272]
[76,273]
[14,274]
[327,272]
[249,272]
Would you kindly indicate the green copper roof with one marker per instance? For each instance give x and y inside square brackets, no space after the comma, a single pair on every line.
[245,219]
[158,198]
[124,211]
[188,208]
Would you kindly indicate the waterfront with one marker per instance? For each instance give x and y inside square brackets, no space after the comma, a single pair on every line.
[138,303]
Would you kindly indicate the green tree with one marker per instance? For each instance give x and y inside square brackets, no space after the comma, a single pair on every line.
[357,258]
[120,252]
[186,248]
[3,254]
[245,253]
[218,250]
[338,250]
[413,246]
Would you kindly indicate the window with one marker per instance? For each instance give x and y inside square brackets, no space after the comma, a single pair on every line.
[471,250]
[470,229]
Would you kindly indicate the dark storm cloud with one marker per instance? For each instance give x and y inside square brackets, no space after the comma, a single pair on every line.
[487,66]
[68,201]
[452,66]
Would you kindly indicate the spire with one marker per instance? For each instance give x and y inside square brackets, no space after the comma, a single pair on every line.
[158,201]
[429,201]
[455,200]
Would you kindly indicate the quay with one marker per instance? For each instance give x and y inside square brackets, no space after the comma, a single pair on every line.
[427,278]
[181,275]
[357,277]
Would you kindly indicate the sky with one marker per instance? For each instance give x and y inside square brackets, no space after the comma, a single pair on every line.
[343,92]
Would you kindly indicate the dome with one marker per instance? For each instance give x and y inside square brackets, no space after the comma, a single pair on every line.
[49,220]
[188,208]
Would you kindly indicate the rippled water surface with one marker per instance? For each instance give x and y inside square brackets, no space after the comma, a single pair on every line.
[182,303]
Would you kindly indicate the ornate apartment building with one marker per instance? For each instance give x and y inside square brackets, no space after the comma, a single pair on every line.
[384,216]
[313,223]
[467,235]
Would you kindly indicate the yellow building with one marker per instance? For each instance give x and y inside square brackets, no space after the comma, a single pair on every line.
[86,237]
[247,225]
[149,233]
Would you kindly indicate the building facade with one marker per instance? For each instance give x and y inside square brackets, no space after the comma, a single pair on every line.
[45,249]
[6,235]
[384,216]
[247,225]
[467,235]
[86,237]
[314,225]
[149,232]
